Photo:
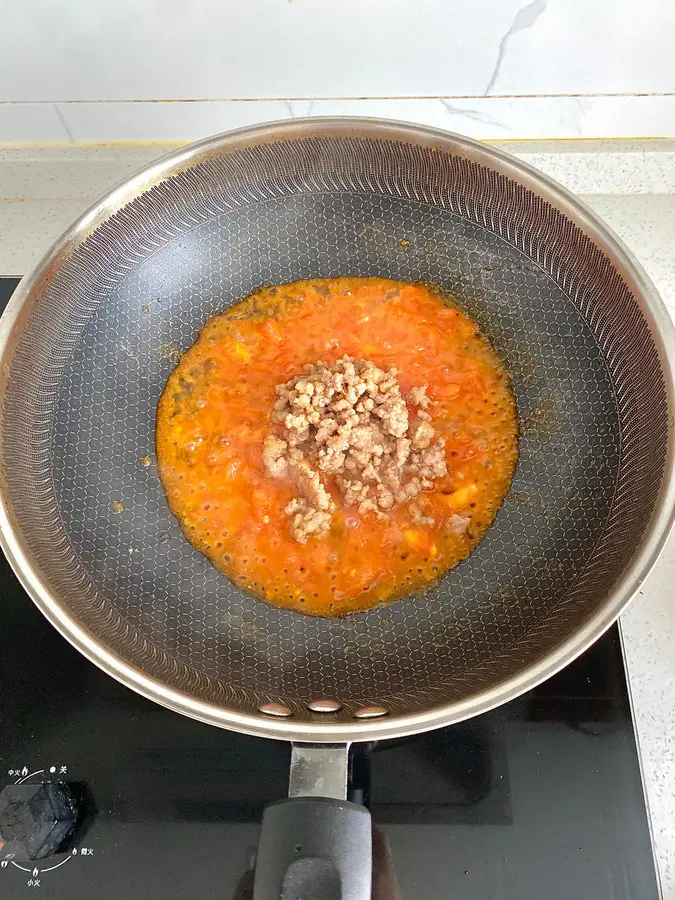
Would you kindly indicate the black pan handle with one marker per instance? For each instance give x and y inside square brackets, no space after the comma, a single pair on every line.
[316,845]
[314,848]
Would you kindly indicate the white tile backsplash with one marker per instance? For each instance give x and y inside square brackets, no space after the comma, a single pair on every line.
[591,47]
[494,69]
[162,121]
[223,49]
[501,118]
[31,122]
[489,118]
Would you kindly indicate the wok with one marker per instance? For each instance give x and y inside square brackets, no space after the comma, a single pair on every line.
[92,333]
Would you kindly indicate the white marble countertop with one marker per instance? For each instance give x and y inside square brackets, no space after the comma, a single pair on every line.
[630,184]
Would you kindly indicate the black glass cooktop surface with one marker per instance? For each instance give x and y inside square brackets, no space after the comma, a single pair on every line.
[540,798]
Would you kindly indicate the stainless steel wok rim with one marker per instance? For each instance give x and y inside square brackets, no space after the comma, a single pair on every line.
[391,726]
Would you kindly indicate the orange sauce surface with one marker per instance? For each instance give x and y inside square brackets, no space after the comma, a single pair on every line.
[214,415]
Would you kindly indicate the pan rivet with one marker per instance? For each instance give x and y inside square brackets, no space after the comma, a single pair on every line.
[324,706]
[275,709]
[370,712]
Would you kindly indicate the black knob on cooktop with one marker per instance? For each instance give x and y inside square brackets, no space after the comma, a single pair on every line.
[36,820]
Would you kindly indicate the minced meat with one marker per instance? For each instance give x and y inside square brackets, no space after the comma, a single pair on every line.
[350,421]
[455,524]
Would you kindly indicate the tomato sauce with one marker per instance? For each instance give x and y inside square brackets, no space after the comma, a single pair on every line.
[214,415]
